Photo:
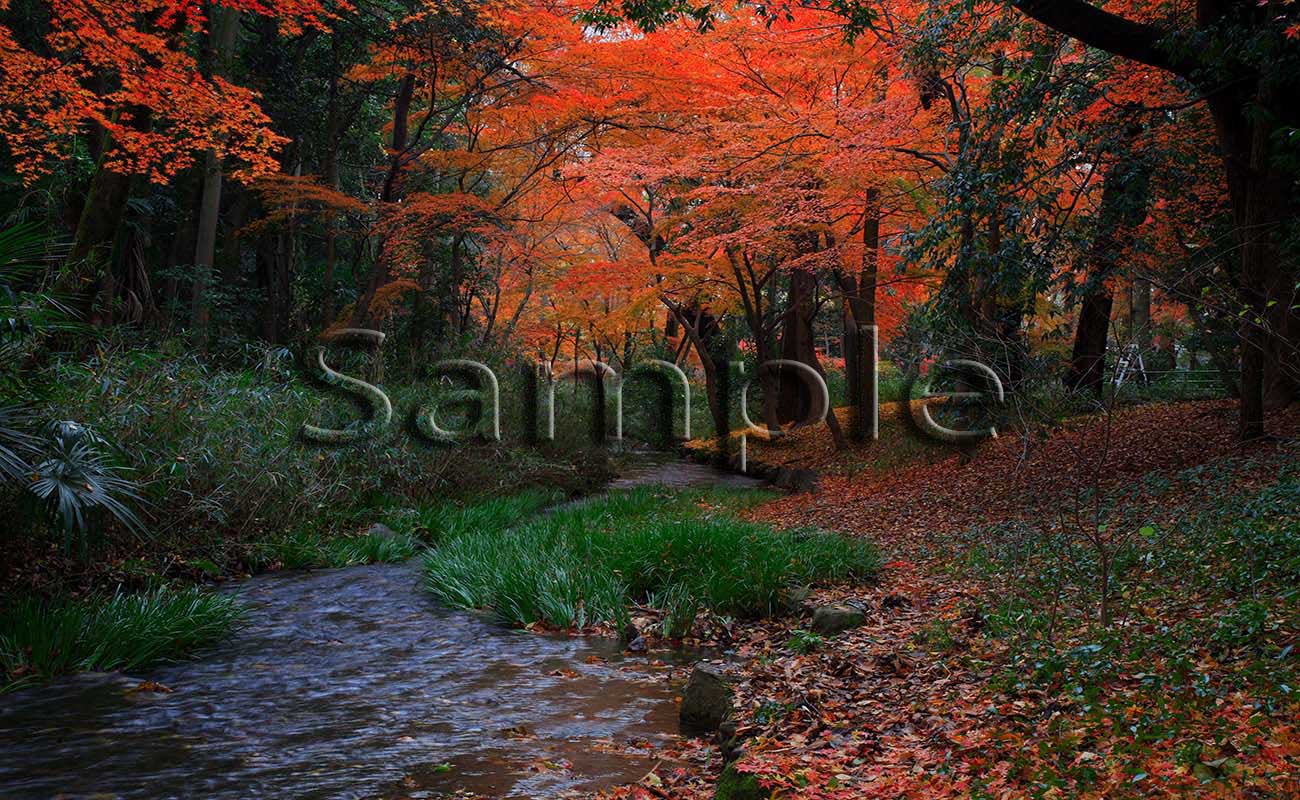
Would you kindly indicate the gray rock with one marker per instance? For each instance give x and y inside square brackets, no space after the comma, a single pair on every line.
[381,530]
[830,620]
[706,702]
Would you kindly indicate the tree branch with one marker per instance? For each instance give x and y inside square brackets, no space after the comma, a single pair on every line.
[1106,31]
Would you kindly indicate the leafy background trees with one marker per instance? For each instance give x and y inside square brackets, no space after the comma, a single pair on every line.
[1067,192]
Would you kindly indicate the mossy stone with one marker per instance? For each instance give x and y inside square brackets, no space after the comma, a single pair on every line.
[737,785]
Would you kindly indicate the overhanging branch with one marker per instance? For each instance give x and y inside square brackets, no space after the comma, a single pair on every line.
[1106,31]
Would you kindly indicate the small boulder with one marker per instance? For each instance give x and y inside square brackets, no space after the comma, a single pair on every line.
[796,597]
[706,702]
[381,531]
[830,620]
[736,785]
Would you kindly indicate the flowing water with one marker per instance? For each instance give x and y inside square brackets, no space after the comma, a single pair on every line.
[352,684]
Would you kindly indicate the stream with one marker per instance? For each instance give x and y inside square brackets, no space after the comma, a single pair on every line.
[352,683]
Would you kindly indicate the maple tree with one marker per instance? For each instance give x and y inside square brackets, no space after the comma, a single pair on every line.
[124,77]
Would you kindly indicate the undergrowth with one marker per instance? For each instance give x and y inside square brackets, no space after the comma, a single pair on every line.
[1200,659]
[410,530]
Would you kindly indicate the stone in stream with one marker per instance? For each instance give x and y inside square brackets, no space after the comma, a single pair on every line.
[706,703]
[833,619]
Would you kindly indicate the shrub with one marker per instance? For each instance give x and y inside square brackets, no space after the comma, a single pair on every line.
[77,480]
[220,467]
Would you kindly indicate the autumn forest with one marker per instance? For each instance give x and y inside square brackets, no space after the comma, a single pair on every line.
[649,399]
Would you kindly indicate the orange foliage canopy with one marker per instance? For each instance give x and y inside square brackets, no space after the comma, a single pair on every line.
[126,69]
[759,141]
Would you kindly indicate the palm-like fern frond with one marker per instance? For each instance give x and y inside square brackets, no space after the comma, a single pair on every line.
[27,254]
[76,477]
[15,443]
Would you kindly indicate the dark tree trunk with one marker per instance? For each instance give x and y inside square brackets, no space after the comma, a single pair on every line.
[225,25]
[1088,360]
[797,344]
[1259,200]
[1139,315]
[1124,201]
[860,346]
[205,248]
[182,245]
[710,344]
[89,272]
[337,125]
[796,399]
[391,191]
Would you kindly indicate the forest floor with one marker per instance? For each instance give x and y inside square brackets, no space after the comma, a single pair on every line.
[984,668]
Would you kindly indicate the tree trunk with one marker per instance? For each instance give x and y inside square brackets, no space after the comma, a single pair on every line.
[225,24]
[391,192]
[189,193]
[331,237]
[706,335]
[88,275]
[1258,197]
[338,123]
[796,399]
[1139,315]
[860,347]
[205,246]
[1124,201]
[797,344]
[1088,360]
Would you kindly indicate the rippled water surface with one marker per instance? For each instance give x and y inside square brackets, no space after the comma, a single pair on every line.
[349,684]
[344,683]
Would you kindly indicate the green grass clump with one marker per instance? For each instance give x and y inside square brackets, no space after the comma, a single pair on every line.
[584,564]
[40,639]
[447,522]
[308,549]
